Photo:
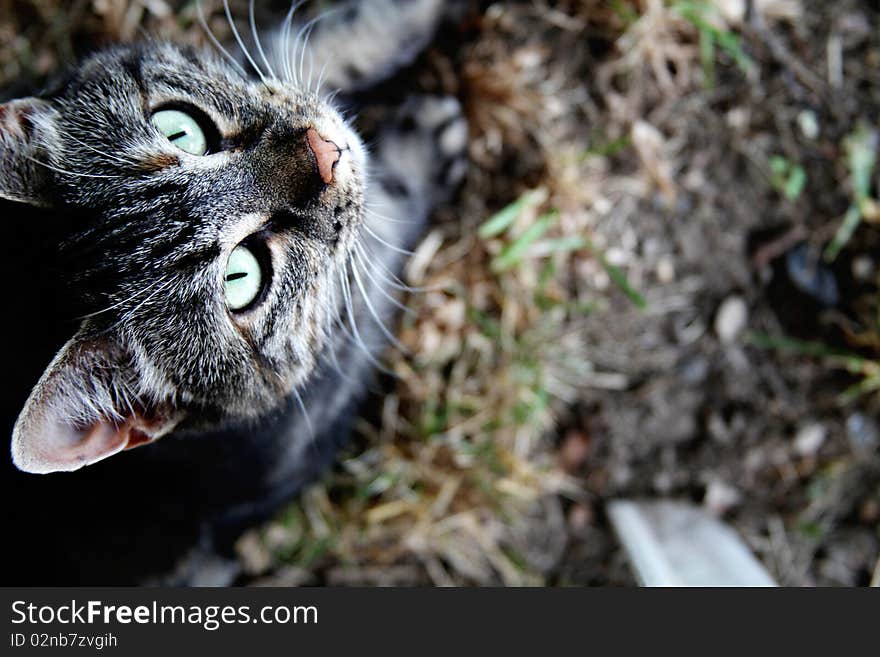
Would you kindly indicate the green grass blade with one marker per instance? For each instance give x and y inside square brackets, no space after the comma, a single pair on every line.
[618,277]
[799,347]
[505,217]
[861,154]
[844,234]
[860,389]
[512,254]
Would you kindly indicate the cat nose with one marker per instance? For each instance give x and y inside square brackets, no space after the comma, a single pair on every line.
[326,153]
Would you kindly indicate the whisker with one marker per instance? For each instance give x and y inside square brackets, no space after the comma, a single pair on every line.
[392,338]
[321,78]
[120,303]
[347,336]
[346,291]
[391,278]
[394,248]
[160,286]
[391,220]
[311,67]
[306,31]
[204,23]
[302,408]
[331,97]
[286,30]
[70,173]
[334,362]
[125,161]
[329,355]
[240,41]
[256,34]
[366,267]
[300,53]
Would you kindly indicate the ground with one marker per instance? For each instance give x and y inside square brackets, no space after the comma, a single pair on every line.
[660,279]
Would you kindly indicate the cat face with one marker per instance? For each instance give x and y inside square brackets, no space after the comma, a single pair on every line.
[213,218]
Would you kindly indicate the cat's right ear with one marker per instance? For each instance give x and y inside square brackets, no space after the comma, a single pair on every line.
[26,135]
[85,409]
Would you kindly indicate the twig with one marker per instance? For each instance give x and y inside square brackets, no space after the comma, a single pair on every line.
[783,55]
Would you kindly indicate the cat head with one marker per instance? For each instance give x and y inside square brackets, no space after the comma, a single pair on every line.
[214,217]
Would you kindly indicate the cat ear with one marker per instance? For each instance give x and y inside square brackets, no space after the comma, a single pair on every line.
[82,411]
[26,127]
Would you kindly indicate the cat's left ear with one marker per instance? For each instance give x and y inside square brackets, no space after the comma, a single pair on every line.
[27,128]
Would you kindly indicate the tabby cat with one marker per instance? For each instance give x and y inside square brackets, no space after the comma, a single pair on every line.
[202,250]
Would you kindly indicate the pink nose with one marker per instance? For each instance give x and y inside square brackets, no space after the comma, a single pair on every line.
[326,154]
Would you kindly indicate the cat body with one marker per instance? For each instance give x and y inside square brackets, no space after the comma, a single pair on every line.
[213,293]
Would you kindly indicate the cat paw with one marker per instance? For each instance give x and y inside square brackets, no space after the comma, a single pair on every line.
[423,149]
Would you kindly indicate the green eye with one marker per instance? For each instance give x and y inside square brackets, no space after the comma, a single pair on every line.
[244,278]
[182,130]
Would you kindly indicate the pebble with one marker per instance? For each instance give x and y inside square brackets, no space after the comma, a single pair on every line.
[809,439]
[720,497]
[733,11]
[807,271]
[663,483]
[694,371]
[869,512]
[732,318]
[862,432]
[738,118]
[253,554]
[863,269]
[809,124]
[718,429]
[580,517]
[665,270]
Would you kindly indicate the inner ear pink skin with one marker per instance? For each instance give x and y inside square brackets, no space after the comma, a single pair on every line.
[95,444]
[64,448]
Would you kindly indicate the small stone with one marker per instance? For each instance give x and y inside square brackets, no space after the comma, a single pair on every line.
[580,517]
[252,553]
[733,11]
[809,273]
[738,118]
[863,433]
[616,256]
[809,439]
[863,269]
[808,124]
[663,483]
[720,497]
[694,371]
[666,270]
[732,318]
[869,512]
[718,429]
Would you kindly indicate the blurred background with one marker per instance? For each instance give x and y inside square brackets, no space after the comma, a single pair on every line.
[659,281]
